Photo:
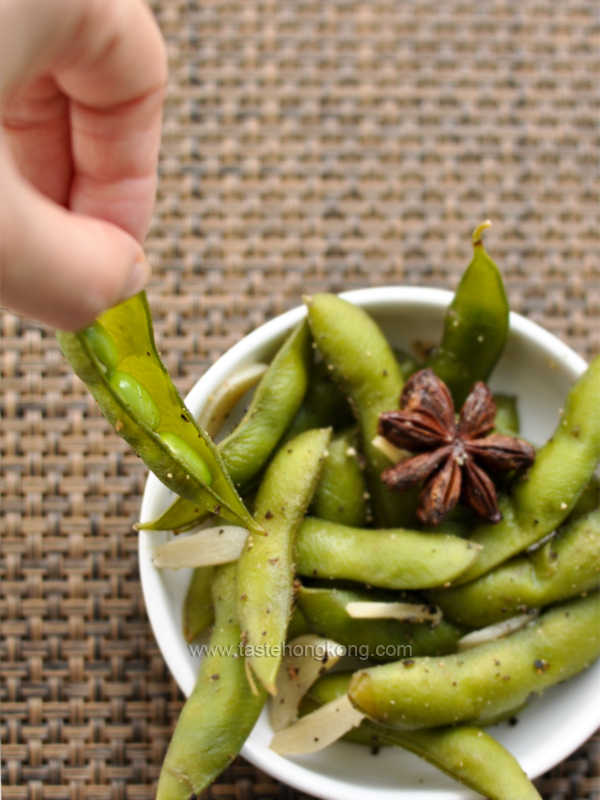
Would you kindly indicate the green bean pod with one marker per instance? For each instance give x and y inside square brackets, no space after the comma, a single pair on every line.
[266,572]
[475,326]
[564,567]
[465,753]
[487,680]
[341,493]
[222,709]
[198,612]
[324,405]
[541,500]
[362,362]
[247,449]
[129,326]
[391,559]
[381,639]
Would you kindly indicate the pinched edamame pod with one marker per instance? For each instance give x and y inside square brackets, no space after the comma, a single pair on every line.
[102,346]
[341,493]
[391,559]
[130,327]
[266,571]
[564,567]
[362,362]
[465,753]
[198,612]
[324,405]
[541,500]
[475,325]
[247,449]
[487,680]
[383,639]
[222,709]
[507,415]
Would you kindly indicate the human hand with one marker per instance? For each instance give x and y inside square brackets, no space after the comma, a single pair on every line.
[81,90]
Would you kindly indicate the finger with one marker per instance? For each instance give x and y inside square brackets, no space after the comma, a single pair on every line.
[37,128]
[59,267]
[108,57]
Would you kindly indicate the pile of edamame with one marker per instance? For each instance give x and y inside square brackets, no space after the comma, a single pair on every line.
[330,550]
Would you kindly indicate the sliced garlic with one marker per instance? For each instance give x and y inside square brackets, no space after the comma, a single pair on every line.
[203,549]
[319,729]
[297,674]
[394,454]
[494,632]
[219,404]
[405,612]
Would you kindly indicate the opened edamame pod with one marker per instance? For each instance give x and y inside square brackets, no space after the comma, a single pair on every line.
[141,402]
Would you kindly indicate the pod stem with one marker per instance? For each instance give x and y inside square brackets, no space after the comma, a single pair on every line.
[476,238]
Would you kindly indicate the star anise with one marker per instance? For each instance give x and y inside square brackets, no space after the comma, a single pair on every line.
[453,458]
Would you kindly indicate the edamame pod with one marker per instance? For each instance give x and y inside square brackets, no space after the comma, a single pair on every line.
[130,327]
[222,709]
[197,607]
[541,500]
[391,559]
[465,753]
[369,374]
[324,406]
[247,449]
[487,680]
[265,570]
[475,325]
[381,639]
[341,493]
[564,567]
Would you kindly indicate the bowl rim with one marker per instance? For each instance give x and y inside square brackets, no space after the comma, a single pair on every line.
[288,771]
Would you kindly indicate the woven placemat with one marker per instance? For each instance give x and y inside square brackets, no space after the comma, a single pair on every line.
[307,146]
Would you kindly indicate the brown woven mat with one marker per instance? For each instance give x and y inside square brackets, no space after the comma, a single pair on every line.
[307,146]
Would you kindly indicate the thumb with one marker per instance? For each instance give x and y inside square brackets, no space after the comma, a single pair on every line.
[59,267]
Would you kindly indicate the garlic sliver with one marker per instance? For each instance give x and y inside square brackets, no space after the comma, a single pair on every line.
[220,403]
[494,632]
[203,549]
[297,674]
[319,729]
[394,454]
[405,612]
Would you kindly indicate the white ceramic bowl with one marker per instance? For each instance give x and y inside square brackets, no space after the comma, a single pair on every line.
[538,368]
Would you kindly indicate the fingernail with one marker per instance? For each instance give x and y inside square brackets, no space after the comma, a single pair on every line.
[137,279]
